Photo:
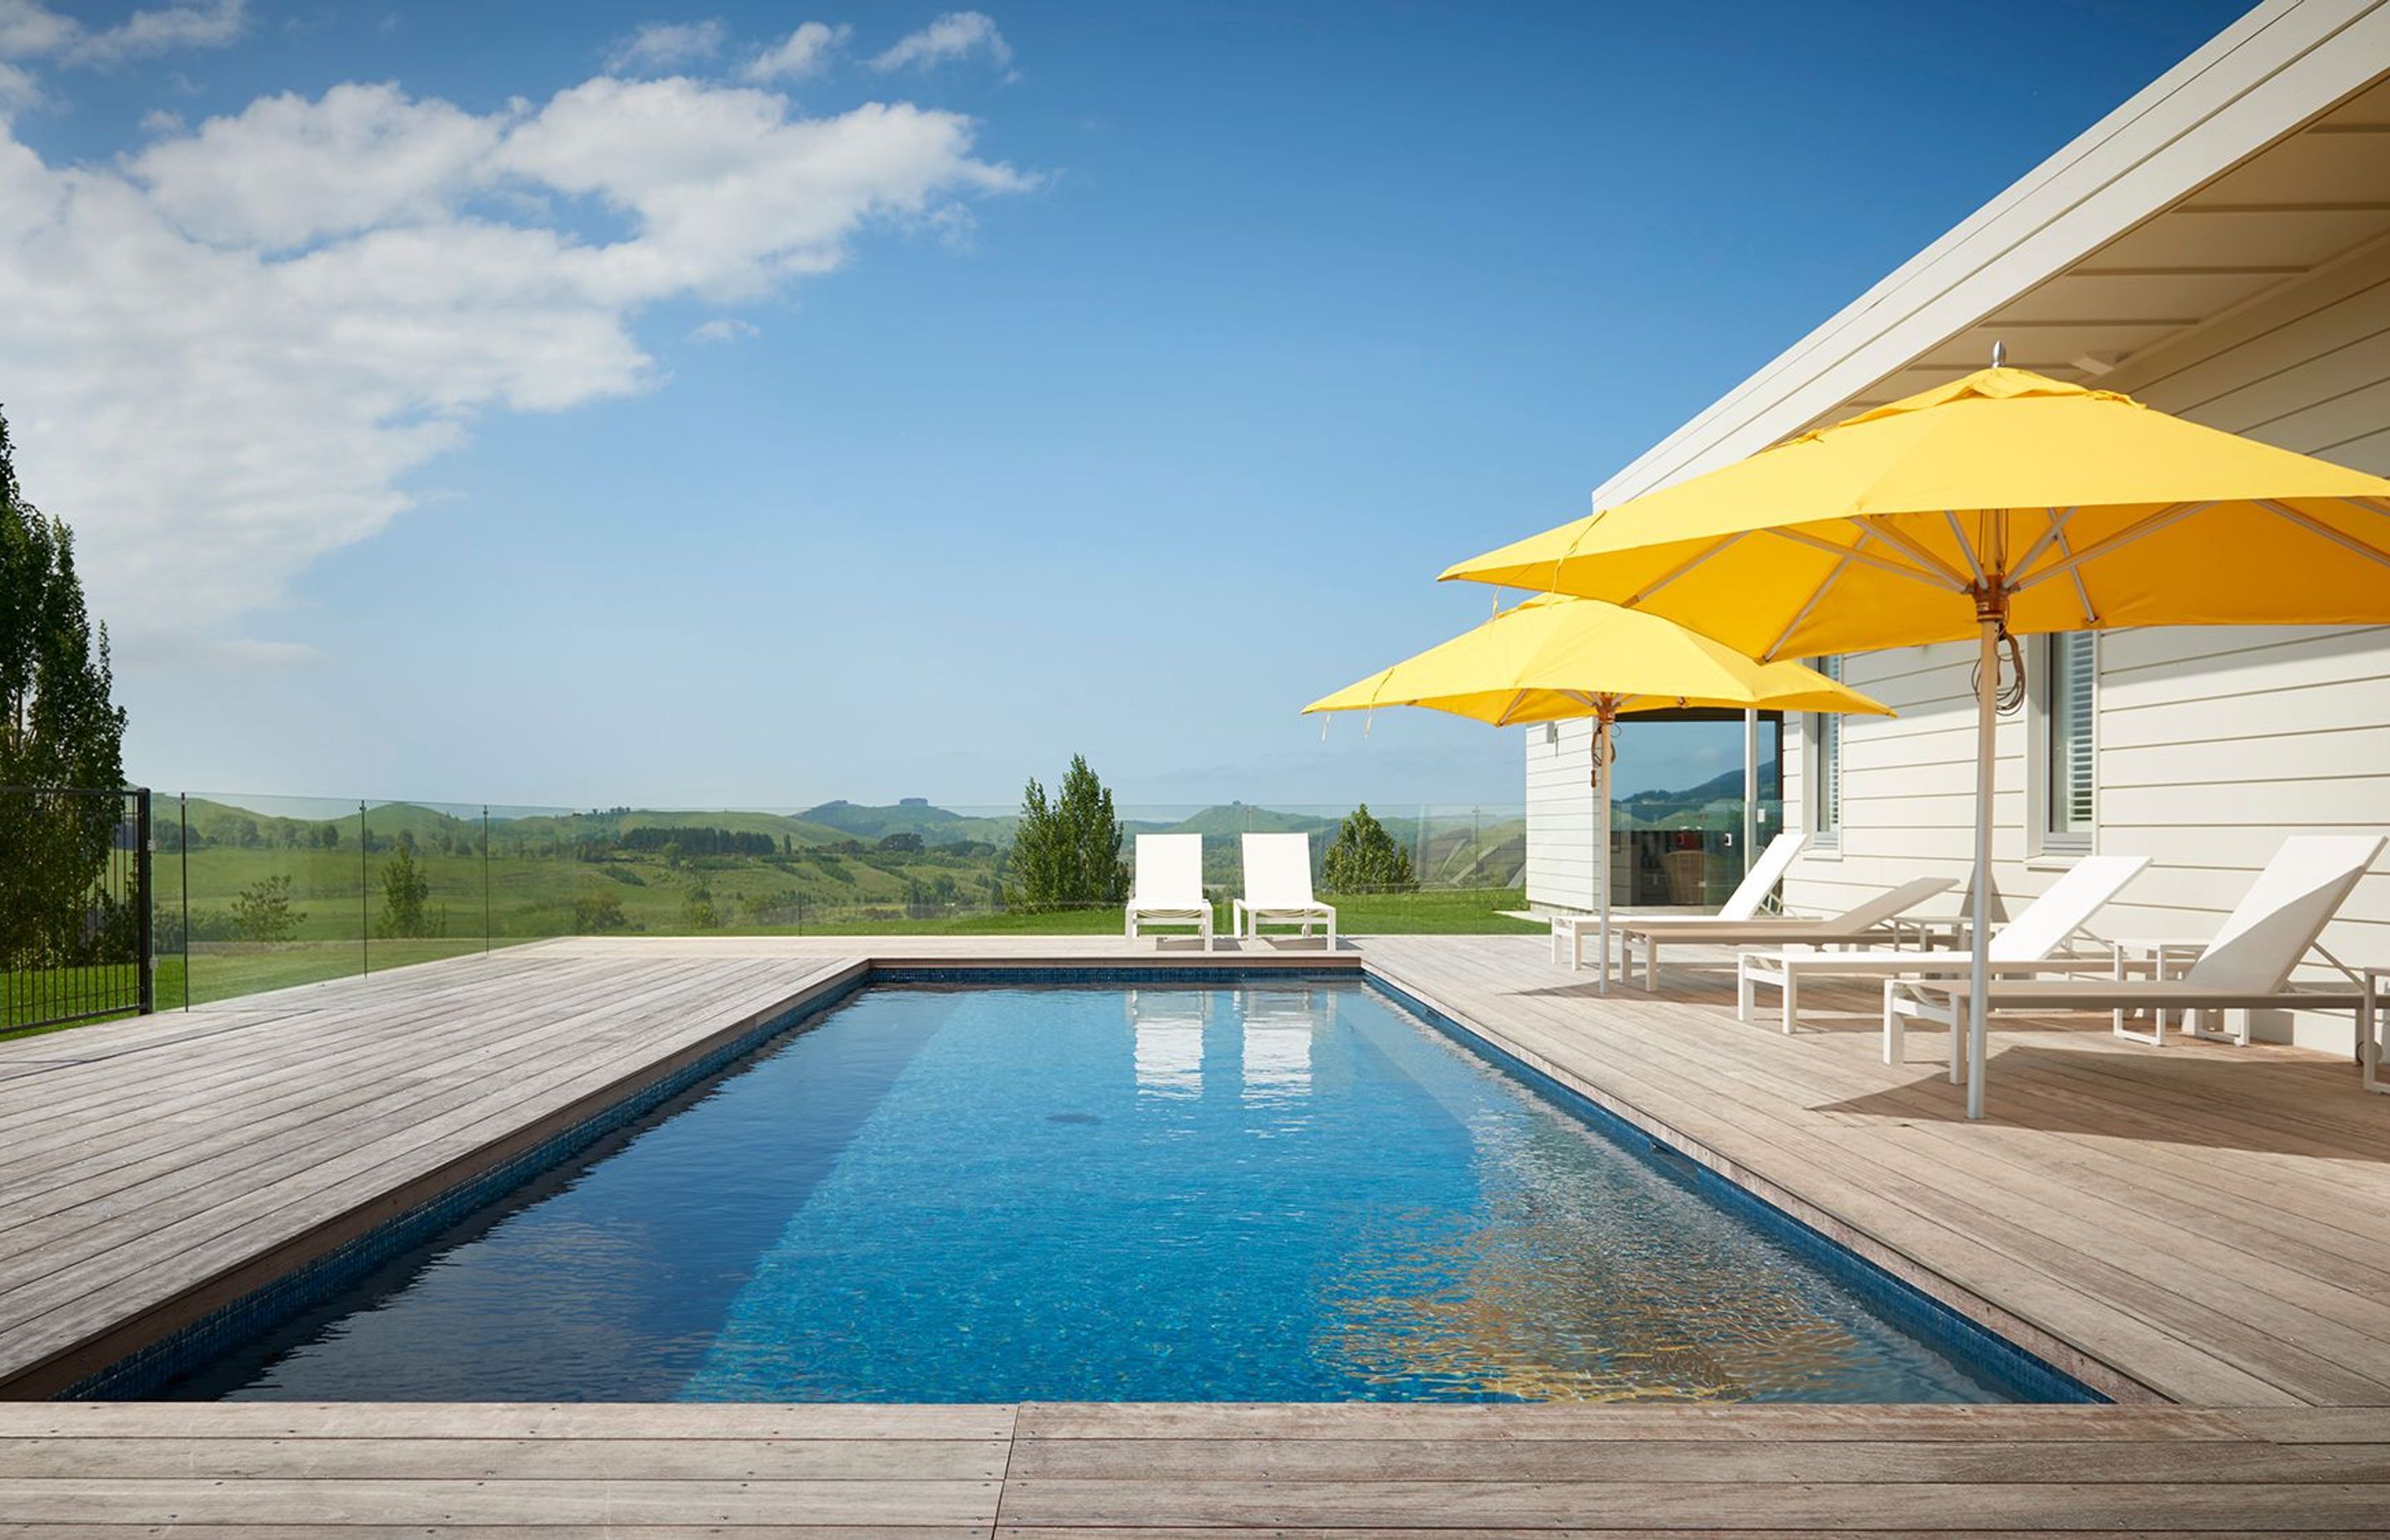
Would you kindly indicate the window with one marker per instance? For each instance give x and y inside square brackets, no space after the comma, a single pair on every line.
[2072,675]
[1826,793]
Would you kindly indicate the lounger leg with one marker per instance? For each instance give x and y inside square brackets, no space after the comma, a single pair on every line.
[1894,1027]
[2368,1030]
[1650,964]
[1743,1003]
[1792,998]
[1958,1040]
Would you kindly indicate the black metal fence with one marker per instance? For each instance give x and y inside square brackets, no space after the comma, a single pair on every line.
[74,906]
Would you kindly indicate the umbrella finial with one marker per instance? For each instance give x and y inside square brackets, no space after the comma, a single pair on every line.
[1999,355]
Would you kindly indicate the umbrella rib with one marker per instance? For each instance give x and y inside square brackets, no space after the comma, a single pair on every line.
[2123,537]
[1816,594]
[2318,526]
[1966,546]
[2082,592]
[2058,518]
[1852,553]
[1696,560]
[1917,548]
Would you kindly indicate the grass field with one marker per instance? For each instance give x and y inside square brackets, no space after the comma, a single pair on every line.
[224,971]
[1432,912]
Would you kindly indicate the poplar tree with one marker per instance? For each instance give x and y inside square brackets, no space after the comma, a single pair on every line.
[58,729]
[58,725]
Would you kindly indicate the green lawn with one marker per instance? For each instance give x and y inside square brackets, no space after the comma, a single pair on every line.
[1441,912]
[223,971]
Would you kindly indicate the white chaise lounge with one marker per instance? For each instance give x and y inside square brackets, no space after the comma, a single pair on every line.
[1278,888]
[2028,943]
[1568,931]
[1169,886]
[2246,967]
[1862,924]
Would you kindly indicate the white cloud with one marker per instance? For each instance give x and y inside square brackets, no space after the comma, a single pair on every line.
[724,328]
[666,46]
[956,35]
[288,169]
[31,30]
[156,32]
[224,356]
[802,55]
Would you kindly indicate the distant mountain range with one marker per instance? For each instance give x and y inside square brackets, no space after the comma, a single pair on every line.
[1656,808]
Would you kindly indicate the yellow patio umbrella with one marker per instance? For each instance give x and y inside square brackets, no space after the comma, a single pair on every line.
[1554,657]
[1999,505]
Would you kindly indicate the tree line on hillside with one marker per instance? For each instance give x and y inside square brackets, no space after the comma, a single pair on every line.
[648,839]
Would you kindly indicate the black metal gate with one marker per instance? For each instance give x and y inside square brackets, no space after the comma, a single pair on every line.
[74,906]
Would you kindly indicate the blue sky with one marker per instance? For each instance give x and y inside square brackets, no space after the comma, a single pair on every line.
[563,405]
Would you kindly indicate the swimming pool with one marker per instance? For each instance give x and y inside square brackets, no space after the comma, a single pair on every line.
[1273,1190]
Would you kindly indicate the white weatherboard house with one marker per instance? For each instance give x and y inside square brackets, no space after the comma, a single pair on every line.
[2218,247]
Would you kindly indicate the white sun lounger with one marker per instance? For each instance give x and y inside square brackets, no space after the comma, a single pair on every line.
[2246,967]
[1570,931]
[1278,888]
[1169,886]
[2028,943]
[1858,926]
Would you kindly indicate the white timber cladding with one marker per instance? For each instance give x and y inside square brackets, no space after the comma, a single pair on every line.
[2209,746]
[1563,836]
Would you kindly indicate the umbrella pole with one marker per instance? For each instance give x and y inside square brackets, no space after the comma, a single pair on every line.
[1979,938]
[1608,862]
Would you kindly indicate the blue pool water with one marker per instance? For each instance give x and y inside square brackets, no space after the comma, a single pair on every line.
[1273,1192]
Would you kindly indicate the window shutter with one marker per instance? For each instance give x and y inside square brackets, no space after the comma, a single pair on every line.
[1830,758]
[2074,674]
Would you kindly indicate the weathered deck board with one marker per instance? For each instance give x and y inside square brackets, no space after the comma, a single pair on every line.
[1082,1473]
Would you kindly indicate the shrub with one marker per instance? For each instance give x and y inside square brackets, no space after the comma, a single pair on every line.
[1365,858]
[262,911]
[595,913]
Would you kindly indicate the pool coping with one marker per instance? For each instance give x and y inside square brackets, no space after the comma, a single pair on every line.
[145,1349]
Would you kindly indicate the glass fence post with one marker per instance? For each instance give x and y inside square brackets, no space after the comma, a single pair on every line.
[365,901]
[185,864]
[145,873]
[485,879]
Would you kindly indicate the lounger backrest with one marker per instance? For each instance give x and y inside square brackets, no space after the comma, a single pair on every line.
[1761,879]
[2283,912]
[2064,908]
[1277,871]
[1881,907]
[1169,871]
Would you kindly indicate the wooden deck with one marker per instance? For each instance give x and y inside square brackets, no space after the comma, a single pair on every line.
[2200,1224]
[1079,1472]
